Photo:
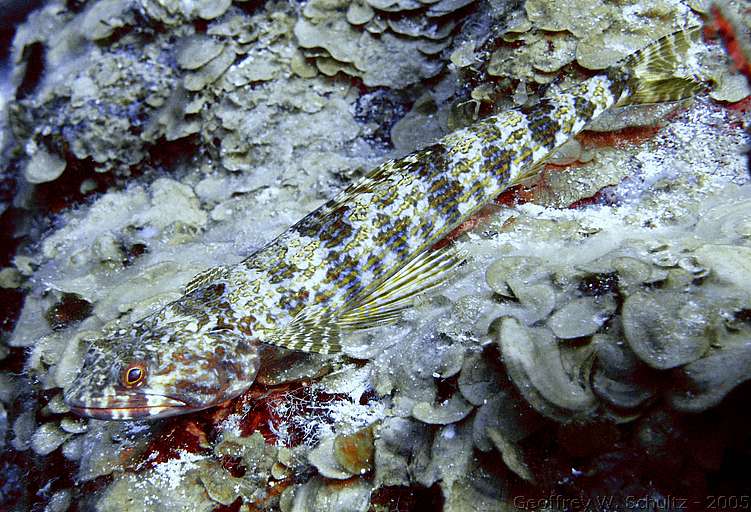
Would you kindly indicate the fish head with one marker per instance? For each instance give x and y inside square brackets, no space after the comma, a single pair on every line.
[150,373]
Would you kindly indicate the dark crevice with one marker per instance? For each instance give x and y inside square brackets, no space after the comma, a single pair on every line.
[251,6]
[71,309]
[415,498]
[597,285]
[166,154]
[446,388]
[133,252]
[200,25]
[34,55]
[65,191]
[11,300]
[13,12]
[10,220]
[383,108]
[75,5]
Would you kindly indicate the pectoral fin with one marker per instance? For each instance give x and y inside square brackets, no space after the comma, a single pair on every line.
[385,303]
[312,330]
[320,329]
[529,175]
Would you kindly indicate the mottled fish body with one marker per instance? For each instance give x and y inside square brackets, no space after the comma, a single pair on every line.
[354,263]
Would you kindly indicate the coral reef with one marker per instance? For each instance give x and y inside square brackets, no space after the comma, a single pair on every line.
[596,344]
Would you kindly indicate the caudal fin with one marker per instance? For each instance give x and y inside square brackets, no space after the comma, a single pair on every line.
[660,72]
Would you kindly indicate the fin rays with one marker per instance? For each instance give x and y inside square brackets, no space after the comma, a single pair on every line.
[203,278]
[319,329]
[656,74]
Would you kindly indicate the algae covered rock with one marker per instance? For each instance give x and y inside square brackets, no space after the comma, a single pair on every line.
[393,44]
[667,330]
[95,101]
[533,359]
[43,167]
[103,18]
[173,12]
[174,486]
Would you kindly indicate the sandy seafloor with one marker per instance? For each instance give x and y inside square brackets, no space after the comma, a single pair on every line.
[593,353]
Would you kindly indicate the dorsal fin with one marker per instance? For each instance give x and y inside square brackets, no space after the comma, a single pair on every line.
[319,329]
[366,183]
[203,278]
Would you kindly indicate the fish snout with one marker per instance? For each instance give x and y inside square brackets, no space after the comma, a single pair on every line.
[125,405]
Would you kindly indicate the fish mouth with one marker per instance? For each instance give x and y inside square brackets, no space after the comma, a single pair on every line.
[129,407]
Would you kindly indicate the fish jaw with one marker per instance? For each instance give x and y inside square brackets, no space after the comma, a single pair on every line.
[129,406]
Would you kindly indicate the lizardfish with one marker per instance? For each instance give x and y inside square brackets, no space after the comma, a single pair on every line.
[354,263]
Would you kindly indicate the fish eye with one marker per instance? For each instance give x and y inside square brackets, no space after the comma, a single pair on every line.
[133,374]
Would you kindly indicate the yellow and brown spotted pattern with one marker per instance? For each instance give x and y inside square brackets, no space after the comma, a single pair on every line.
[379,224]
[203,348]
